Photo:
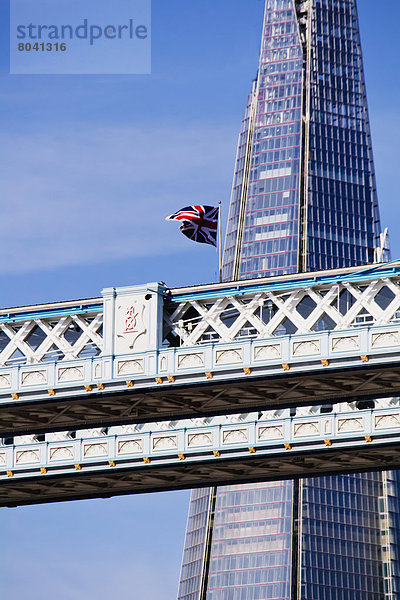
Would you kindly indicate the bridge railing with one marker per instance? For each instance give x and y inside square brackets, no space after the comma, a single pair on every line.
[216,438]
[213,361]
[286,306]
[63,331]
[45,335]
[148,335]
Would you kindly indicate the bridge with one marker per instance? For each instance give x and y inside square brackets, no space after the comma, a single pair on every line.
[145,366]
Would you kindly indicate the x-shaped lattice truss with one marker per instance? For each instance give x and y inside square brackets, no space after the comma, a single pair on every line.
[212,315]
[54,333]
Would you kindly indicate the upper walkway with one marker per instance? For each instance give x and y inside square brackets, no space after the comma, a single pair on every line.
[147,353]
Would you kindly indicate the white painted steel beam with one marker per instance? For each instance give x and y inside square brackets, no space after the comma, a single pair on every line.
[151,353]
[198,452]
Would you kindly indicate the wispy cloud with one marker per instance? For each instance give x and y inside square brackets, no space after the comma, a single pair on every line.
[102,193]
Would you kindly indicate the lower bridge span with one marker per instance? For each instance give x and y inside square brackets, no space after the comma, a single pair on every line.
[200,452]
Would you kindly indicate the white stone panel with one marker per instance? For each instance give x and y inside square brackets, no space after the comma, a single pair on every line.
[5,380]
[130,446]
[269,351]
[128,367]
[272,432]
[165,443]
[233,355]
[27,456]
[350,424]
[74,373]
[385,339]
[387,421]
[345,343]
[34,377]
[188,361]
[231,436]
[62,453]
[306,348]
[306,429]
[200,439]
[131,324]
[95,450]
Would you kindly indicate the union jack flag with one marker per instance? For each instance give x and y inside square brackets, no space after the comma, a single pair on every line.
[199,223]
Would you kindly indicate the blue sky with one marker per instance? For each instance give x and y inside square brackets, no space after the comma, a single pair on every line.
[90,166]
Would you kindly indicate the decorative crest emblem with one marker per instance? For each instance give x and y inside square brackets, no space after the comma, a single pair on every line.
[131,316]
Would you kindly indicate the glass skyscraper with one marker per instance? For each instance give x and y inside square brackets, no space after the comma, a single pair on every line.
[303,198]
[304,194]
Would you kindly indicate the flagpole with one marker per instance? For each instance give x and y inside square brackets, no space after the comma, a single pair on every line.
[219,242]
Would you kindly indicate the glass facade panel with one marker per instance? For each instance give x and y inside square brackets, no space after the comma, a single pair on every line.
[239,189]
[342,213]
[264,210]
[389,516]
[340,542]
[195,545]
[251,545]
